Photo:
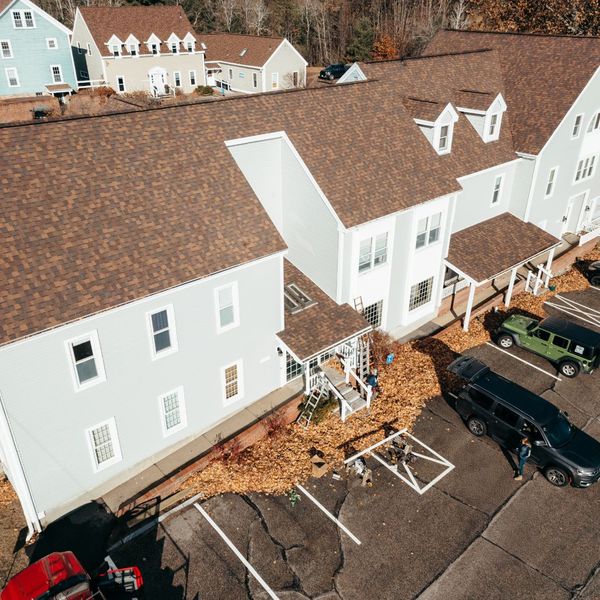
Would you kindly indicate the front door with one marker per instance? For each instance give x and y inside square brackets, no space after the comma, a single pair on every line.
[574,213]
[158,81]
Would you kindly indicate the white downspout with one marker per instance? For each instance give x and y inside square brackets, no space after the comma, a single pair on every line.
[18,478]
[532,188]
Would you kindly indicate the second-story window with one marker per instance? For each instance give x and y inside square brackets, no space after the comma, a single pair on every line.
[28,17]
[551,182]
[162,332]
[86,360]
[585,168]
[428,230]
[174,47]
[17,19]
[594,123]
[190,46]
[177,78]
[226,298]
[56,73]
[5,49]
[133,49]
[497,192]
[372,252]
[577,126]
[444,135]
[154,48]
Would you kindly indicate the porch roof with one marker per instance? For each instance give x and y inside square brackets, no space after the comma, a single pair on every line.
[484,251]
[321,325]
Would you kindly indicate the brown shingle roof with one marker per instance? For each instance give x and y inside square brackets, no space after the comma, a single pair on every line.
[4,4]
[320,326]
[474,99]
[418,108]
[141,21]
[228,47]
[543,75]
[496,245]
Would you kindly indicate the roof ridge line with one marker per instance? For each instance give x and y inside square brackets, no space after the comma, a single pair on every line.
[244,35]
[441,55]
[524,33]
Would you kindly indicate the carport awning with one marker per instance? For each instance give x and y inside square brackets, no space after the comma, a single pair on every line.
[484,251]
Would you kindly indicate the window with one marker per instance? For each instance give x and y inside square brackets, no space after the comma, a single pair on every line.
[12,77]
[254,80]
[594,123]
[420,294]
[541,335]
[56,73]
[52,44]
[86,360]
[190,46]
[372,252]
[428,230]
[295,78]
[242,75]
[493,126]
[508,416]
[274,81]
[104,444]
[174,48]
[480,399]
[577,126]
[551,182]
[497,189]
[232,382]
[193,78]
[444,134]
[116,50]
[560,342]
[161,324]
[154,48]
[226,299]
[373,313]
[23,19]
[5,49]
[295,300]
[230,74]
[133,49]
[121,84]
[17,19]
[172,411]
[89,49]
[293,368]
[177,78]
[28,16]
[585,168]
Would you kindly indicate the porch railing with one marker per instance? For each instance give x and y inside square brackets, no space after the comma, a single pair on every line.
[366,389]
[91,83]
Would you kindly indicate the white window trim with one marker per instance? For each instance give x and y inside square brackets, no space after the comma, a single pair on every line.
[89,49]
[92,337]
[427,232]
[12,17]
[193,71]
[59,67]
[437,137]
[555,170]
[22,13]
[51,39]
[595,117]
[372,264]
[574,135]
[236,307]
[172,332]
[114,437]
[411,311]
[182,413]
[9,49]
[240,382]
[500,176]
[255,80]
[18,84]
[124,86]
[487,123]
[585,168]
[177,74]
[275,81]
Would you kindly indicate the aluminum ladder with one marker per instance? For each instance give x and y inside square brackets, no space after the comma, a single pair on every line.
[320,391]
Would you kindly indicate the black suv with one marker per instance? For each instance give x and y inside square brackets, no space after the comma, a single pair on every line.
[491,404]
[333,71]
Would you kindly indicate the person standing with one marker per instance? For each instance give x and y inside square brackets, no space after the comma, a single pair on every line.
[523,453]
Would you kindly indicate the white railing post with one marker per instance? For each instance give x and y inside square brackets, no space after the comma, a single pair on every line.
[369,396]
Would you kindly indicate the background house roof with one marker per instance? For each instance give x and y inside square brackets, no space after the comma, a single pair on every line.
[228,47]
[543,75]
[141,21]
[4,4]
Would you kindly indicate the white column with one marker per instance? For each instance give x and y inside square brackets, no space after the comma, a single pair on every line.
[549,265]
[307,385]
[511,283]
[467,317]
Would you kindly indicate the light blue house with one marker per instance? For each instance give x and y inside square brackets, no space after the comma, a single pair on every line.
[35,52]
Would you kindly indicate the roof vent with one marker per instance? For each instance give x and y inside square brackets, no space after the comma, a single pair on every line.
[295,299]
[243,52]
[203,45]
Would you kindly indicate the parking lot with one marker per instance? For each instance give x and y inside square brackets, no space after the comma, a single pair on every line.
[477,533]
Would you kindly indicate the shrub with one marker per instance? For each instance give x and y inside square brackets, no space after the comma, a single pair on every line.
[103,91]
[204,90]
[274,423]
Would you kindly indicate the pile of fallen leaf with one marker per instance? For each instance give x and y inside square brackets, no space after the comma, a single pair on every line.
[7,493]
[277,462]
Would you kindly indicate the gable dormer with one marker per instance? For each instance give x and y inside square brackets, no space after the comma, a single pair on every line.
[115,46]
[189,42]
[132,45]
[435,120]
[484,111]
[173,42]
[153,44]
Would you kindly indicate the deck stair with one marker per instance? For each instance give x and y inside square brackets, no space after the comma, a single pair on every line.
[343,390]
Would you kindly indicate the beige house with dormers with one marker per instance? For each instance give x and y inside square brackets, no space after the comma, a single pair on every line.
[137,48]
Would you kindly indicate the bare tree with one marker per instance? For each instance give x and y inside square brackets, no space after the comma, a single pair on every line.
[458,15]
[258,15]
[227,10]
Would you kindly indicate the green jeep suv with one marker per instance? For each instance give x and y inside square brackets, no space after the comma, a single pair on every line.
[570,347]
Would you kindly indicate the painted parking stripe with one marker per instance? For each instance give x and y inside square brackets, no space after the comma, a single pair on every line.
[232,547]
[523,361]
[572,313]
[329,515]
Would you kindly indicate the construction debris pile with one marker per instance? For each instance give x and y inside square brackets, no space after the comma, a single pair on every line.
[414,376]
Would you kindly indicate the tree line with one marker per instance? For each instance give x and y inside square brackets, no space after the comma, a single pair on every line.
[327,31]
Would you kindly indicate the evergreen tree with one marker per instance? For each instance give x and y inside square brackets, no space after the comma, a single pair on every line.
[361,43]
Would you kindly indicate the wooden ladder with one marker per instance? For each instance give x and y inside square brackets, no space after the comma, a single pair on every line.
[358,305]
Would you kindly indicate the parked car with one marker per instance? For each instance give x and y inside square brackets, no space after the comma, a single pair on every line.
[490,404]
[569,346]
[333,71]
[593,273]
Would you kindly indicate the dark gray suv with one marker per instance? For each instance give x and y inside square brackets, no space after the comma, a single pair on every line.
[507,412]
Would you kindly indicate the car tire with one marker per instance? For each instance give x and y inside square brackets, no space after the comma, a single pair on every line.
[505,340]
[477,426]
[556,476]
[595,280]
[569,368]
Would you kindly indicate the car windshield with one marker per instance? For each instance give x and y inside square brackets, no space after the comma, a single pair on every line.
[558,431]
[532,325]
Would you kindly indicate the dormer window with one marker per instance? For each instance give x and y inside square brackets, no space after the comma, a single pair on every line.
[493,125]
[133,49]
[444,137]
[435,120]
[483,110]
[190,46]
[116,50]
[594,123]
[174,48]
[154,48]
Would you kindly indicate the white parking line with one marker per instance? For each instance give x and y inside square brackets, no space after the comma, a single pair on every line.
[336,521]
[242,558]
[524,361]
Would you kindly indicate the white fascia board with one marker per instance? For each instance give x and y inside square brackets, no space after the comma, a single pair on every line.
[144,299]
[232,64]
[447,112]
[424,123]
[462,273]
[132,40]
[35,8]
[286,348]
[9,5]
[471,111]
[526,155]
[510,162]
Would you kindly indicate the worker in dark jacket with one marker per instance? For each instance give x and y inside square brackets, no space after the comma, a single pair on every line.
[523,453]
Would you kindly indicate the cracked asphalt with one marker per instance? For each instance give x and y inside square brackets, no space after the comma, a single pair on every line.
[476,534]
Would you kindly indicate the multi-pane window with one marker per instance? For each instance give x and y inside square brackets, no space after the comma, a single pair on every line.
[23,19]
[293,368]
[5,49]
[104,444]
[497,191]
[372,252]
[373,313]
[133,49]
[174,47]
[86,360]
[193,78]
[227,307]
[594,123]
[232,387]
[551,182]
[121,84]
[162,331]
[52,44]
[493,127]
[585,168]
[428,230]
[577,126]
[56,73]
[12,77]
[154,48]
[420,293]
[115,49]
[190,46]
[172,410]
[444,135]
[254,80]
[177,78]
[28,17]
[17,19]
